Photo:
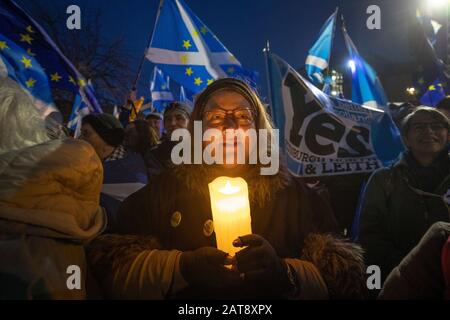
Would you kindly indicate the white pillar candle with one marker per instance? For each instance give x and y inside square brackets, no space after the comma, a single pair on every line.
[230,210]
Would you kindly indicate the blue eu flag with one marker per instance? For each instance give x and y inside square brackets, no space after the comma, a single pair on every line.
[32,59]
[185,49]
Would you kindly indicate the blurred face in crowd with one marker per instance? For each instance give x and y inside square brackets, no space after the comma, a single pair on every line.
[88,134]
[155,123]
[175,120]
[426,136]
[227,109]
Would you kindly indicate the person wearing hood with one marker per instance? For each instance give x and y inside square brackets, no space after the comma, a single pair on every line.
[403,201]
[49,204]
[164,244]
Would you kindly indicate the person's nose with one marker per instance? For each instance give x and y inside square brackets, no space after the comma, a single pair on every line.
[230,123]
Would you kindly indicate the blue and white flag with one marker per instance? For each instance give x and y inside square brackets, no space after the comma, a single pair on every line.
[366,87]
[161,94]
[319,55]
[185,49]
[79,110]
[186,97]
[322,135]
[32,59]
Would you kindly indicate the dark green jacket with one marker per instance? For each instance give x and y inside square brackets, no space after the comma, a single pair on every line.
[395,214]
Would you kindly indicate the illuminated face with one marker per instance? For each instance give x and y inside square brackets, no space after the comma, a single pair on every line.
[175,120]
[229,110]
[426,135]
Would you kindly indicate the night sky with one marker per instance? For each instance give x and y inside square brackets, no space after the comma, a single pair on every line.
[244,26]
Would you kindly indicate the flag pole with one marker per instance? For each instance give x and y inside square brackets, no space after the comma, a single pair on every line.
[141,64]
[332,42]
[266,51]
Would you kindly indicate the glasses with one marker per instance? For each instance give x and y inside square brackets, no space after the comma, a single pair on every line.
[241,116]
[422,127]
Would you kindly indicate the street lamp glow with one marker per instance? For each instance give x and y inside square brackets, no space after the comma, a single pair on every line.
[352,65]
[436,3]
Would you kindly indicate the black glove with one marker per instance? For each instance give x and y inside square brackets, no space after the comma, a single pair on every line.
[259,262]
[205,267]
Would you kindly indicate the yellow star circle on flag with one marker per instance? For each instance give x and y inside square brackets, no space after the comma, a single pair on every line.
[210,81]
[26,62]
[189,71]
[81,82]
[30,29]
[230,70]
[26,38]
[198,81]
[3,45]
[55,77]
[233,59]
[31,53]
[187,44]
[203,30]
[184,59]
[72,80]
[30,83]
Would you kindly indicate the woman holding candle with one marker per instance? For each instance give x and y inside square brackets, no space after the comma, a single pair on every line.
[169,250]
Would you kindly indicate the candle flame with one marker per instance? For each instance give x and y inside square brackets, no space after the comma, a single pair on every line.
[229,189]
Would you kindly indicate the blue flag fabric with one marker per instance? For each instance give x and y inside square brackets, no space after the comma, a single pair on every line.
[32,59]
[434,94]
[366,87]
[79,110]
[186,97]
[161,94]
[322,135]
[185,49]
[319,55]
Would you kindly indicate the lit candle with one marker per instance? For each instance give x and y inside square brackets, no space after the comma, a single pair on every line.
[230,210]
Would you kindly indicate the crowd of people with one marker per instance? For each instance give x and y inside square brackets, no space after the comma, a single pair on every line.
[140,227]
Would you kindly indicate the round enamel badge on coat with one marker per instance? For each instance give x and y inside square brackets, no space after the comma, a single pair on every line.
[208,228]
[176,219]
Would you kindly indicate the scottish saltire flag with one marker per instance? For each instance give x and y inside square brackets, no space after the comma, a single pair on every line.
[366,87]
[31,58]
[186,97]
[79,110]
[319,55]
[322,135]
[185,49]
[161,94]
[433,95]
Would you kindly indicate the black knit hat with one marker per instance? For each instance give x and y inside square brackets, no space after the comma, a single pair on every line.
[107,127]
